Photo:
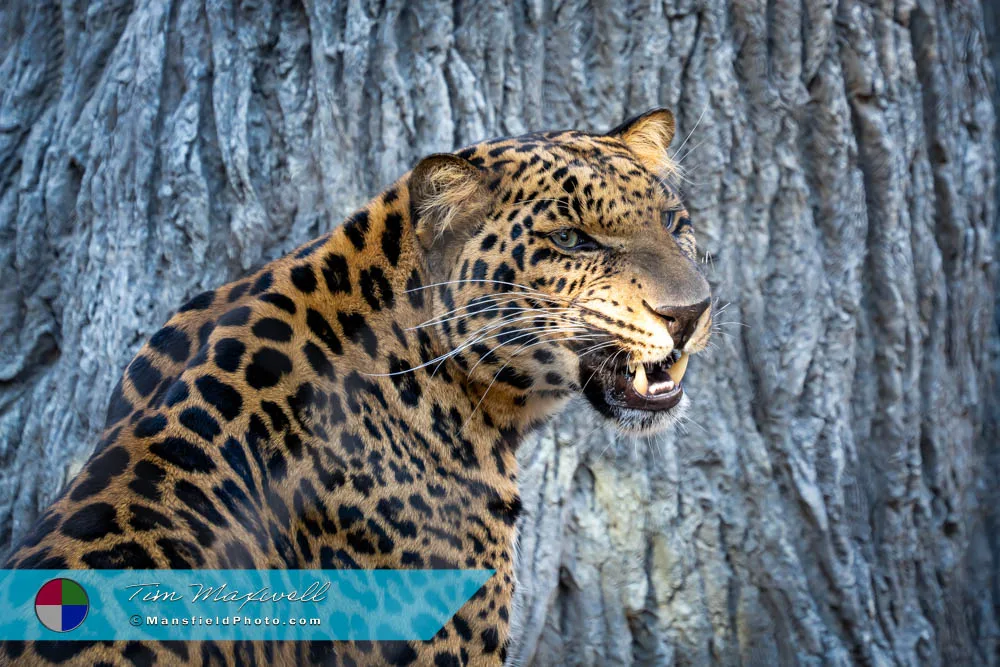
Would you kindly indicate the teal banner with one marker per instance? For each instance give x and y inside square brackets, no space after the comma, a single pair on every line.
[374,605]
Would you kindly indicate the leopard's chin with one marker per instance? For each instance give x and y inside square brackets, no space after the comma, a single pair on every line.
[640,399]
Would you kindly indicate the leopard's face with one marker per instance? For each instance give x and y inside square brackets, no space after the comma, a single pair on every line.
[579,277]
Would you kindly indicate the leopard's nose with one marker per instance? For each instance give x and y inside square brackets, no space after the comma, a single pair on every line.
[682,321]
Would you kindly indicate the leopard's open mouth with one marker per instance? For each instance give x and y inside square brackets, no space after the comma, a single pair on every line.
[635,395]
[655,386]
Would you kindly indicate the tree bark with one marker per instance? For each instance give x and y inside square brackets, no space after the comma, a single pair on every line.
[833,497]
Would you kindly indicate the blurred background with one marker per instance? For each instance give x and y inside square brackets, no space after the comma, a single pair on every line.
[833,498]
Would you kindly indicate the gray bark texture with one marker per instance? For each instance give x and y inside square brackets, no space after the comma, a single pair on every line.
[833,498]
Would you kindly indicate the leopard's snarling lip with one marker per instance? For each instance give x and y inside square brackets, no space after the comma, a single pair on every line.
[610,382]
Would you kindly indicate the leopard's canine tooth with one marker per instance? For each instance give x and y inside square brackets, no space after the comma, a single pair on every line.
[640,381]
[676,370]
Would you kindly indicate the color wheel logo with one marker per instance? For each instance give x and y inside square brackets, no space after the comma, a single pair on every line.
[61,605]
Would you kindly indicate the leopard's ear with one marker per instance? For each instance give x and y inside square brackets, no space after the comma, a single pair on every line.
[448,194]
[649,136]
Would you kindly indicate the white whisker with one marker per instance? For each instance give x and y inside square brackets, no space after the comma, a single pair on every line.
[504,309]
[473,338]
[691,132]
[476,280]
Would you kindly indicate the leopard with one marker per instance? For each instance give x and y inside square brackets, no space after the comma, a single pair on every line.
[359,402]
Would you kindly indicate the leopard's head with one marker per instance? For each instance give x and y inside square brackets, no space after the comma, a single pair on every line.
[565,263]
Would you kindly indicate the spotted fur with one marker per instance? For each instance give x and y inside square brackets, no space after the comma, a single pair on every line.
[358,402]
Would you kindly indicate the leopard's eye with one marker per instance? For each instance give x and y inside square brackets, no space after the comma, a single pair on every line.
[677,222]
[668,220]
[572,239]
